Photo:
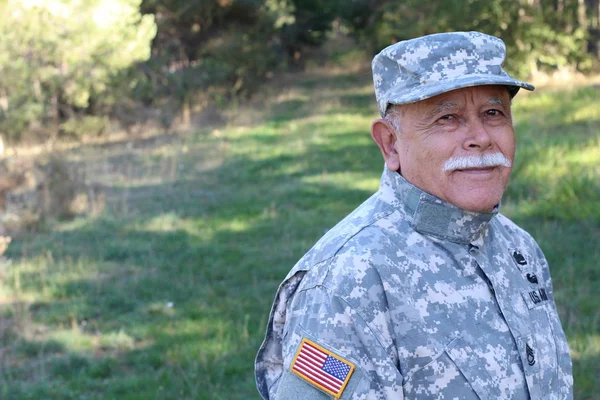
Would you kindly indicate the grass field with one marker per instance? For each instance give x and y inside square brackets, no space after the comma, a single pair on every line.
[166,294]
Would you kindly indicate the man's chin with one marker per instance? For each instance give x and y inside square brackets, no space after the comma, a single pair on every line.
[479,200]
[476,194]
[482,206]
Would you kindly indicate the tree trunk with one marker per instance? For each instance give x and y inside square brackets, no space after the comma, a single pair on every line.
[581,14]
[186,114]
[55,124]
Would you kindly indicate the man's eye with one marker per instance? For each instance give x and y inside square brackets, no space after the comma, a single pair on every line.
[448,117]
[493,113]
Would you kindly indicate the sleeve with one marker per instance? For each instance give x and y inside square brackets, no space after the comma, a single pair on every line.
[319,319]
[542,263]
[564,384]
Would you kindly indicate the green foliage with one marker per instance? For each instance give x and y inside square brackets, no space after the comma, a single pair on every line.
[537,36]
[67,64]
[226,48]
[312,21]
[89,124]
[56,57]
[207,51]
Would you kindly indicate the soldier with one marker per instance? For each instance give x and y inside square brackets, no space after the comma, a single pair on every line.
[425,291]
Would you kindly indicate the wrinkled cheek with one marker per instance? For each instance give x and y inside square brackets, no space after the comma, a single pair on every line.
[506,173]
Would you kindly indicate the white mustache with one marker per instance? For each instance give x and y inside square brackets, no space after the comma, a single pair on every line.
[486,160]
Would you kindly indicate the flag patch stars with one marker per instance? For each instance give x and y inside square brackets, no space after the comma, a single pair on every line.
[322,368]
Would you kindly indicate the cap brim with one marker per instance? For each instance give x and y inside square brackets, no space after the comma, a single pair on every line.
[426,91]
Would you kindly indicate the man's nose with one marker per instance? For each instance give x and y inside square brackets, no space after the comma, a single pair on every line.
[477,136]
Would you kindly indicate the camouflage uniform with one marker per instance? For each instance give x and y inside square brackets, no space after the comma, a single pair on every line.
[425,301]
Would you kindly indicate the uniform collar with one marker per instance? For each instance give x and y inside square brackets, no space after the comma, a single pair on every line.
[430,215]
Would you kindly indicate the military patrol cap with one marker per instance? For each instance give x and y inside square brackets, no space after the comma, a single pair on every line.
[417,69]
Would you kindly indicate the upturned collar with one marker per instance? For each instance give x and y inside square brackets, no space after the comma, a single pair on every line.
[430,215]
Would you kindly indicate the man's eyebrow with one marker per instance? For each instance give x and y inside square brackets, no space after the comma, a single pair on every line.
[448,105]
[441,107]
[496,101]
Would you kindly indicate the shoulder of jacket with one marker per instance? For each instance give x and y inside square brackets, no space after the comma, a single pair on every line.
[362,257]
[507,226]
[342,235]
[517,239]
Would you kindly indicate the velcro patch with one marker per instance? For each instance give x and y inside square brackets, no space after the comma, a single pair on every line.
[518,258]
[322,368]
[535,297]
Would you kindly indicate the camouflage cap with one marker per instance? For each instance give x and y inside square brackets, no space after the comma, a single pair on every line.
[416,69]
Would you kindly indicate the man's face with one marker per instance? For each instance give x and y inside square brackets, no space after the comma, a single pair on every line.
[469,122]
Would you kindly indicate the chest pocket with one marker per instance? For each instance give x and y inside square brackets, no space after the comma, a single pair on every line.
[457,373]
[538,347]
[538,350]
[472,368]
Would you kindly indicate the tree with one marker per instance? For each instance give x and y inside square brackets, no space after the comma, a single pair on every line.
[538,34]
[58,58]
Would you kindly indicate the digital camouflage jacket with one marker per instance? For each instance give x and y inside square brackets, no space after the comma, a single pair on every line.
[410,297]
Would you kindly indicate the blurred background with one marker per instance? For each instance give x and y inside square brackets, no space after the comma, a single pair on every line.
[163,164]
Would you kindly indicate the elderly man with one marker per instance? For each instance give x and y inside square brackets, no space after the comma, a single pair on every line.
[425,291]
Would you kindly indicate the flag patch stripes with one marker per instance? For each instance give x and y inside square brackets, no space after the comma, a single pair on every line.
[322,368]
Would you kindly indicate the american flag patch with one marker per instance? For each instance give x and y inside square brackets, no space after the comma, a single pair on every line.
[322,368]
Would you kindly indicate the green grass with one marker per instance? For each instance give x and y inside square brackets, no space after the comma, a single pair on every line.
[166,294]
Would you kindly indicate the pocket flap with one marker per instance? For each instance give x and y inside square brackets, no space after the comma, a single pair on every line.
[471,367]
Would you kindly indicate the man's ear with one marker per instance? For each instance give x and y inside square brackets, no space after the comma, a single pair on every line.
[384,134]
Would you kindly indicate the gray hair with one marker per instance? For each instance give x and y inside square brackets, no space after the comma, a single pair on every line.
[392,115]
